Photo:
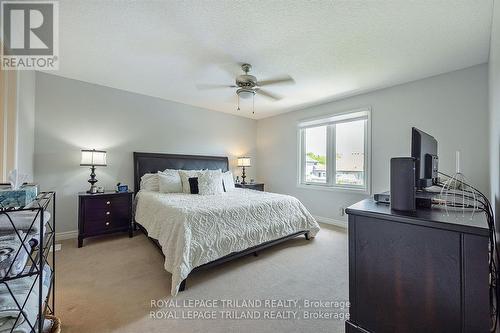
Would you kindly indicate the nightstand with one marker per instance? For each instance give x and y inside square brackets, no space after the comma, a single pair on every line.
[252,186]
[104,213]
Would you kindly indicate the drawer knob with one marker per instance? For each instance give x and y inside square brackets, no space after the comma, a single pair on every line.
[107,223]
[108,202]
[107,213]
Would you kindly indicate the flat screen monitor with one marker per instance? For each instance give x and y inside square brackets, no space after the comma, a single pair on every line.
[424,150]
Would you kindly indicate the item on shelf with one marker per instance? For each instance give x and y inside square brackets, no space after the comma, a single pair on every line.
[244,162]
[21,197]
[23,221]
[457,194]
[424,149]
[26,280]
[93,158]
[11,316]
[121,188]
[55,324]
[17,179]
[13,254]
[403,184]
[100,189]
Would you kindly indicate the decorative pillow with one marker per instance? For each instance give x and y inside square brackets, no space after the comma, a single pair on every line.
[228,181]
[170,181]
[150,182]
[210,182]
[193,185]
[185,175]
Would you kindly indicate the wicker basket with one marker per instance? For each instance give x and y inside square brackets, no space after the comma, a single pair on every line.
[56,326]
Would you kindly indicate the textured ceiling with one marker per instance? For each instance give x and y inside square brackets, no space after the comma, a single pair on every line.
[331,48]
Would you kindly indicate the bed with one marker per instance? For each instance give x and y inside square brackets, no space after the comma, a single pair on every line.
[200,231]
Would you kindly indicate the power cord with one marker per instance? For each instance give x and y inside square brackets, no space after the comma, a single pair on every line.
[494,256]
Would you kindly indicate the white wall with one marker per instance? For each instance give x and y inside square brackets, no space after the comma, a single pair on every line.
[494,105]
[71,115]
[453,107]
[25,123]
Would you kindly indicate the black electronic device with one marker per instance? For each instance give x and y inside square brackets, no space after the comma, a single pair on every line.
[403,184]
[423,199]
[424,150]
[384,197]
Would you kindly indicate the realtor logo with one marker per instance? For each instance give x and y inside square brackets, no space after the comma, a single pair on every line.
[30,35]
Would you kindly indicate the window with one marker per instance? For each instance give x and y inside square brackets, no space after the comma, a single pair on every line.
[334,151]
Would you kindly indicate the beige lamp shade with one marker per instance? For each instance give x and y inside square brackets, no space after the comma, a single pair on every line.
[93,158]
[244,162]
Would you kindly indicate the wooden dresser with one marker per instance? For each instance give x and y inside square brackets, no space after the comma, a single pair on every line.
[421,272]
[104,213]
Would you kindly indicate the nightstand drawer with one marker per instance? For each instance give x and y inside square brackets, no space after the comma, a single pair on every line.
[106,214]
[95,212]
[105,224]
[106,203]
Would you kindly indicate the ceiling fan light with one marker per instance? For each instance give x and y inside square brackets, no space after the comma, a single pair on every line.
[245,93]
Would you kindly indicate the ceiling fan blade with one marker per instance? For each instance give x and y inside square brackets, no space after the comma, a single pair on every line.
[213,86]
[279,80]
[268,94]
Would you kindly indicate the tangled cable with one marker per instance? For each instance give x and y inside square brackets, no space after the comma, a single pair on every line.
[457,194]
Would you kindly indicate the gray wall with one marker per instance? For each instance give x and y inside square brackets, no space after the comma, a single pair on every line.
[71,115]
[494,101]
[453,107]
[26,122]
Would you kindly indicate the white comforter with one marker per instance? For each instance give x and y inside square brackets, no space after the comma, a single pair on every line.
[196,229]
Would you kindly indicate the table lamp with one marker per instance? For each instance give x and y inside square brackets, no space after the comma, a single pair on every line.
[93,158]
[244,162]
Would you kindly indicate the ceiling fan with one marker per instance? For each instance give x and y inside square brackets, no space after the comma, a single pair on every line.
[248,86]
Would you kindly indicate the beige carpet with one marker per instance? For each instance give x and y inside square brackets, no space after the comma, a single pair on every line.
[108,285]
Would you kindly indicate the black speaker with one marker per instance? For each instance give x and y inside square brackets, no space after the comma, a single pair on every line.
[403,183]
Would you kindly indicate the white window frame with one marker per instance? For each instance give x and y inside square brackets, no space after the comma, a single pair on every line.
[330,121]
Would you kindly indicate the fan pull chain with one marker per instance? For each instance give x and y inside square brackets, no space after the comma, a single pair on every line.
[238,103]
[253,104]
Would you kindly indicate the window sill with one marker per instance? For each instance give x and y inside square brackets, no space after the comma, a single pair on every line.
[334,188]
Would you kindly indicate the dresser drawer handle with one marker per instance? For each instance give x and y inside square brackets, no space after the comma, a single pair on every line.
[107,223]
[107,213]
[108,202]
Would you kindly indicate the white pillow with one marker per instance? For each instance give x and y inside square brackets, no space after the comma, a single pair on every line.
[210,182]
[228,180]
[150,182]
[185,175]
[170,181]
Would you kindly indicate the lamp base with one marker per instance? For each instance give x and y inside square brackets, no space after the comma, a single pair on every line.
[92,181]
[243,176]
[92,190]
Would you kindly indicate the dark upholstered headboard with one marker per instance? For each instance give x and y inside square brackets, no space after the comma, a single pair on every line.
[154,162]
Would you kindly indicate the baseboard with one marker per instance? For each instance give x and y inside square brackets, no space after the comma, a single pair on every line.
[66,235]
[329,220]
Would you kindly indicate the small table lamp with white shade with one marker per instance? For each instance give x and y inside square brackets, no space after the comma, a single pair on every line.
[93,158]
[244,162]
